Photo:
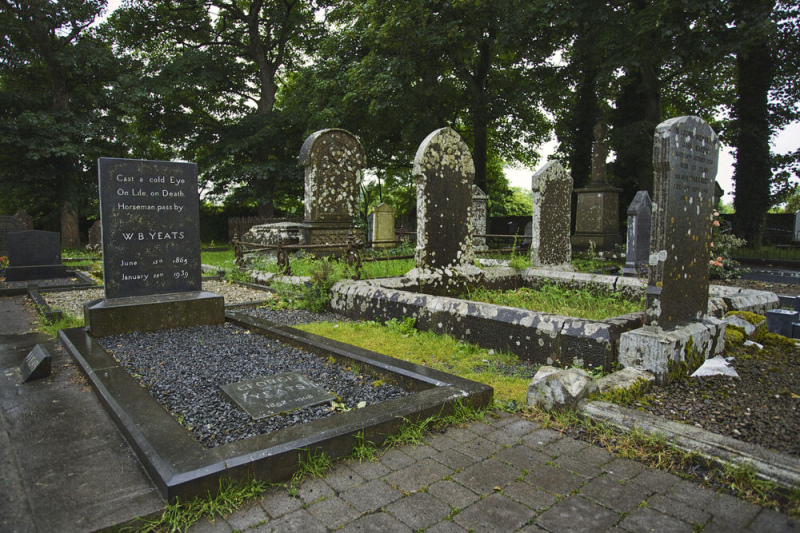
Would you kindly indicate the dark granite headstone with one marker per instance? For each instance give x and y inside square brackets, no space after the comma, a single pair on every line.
[34,254]
[685,154]
[8,225]
[552,197]
[272,395]
[151,227]
[637,251]
[37,364]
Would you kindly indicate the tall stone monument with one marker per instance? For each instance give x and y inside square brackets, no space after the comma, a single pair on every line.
[597,215]
[685,155]
[333,160]
[149,213]
[552,197]
[444,256]
[637,248]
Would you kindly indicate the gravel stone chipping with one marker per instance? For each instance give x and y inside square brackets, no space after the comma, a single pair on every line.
[184,368]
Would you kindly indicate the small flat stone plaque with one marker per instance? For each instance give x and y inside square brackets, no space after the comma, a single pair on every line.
[36,365]
[272,395]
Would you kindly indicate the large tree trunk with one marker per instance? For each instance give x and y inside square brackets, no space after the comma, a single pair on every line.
[753,169]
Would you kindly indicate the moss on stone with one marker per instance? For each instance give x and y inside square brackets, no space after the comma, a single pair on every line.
[753,318]
[692,359]
[734,336]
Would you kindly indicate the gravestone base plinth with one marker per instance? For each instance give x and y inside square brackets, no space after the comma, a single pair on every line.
[452,281]
[597,218]
[151,313]
[24,273]
[659,351]
[327,233]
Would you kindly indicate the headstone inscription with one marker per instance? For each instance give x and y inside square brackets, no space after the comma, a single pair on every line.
[150,218]
[34,254]
[271,395]
[444,255]
[550,242]
[637,250]
[8,225]
[37,364]
[685,155]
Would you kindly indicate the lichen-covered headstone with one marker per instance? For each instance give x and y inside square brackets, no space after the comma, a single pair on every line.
[332,159]
[480,214]
[685,155]
[552,197]
[382,226]
[637,250]
[444,171]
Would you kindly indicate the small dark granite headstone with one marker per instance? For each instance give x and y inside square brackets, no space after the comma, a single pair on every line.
[685,154]
[8,225]
[34,254]
[640,217]
[272,395]
[37,364]
[781,321]
[151,227]
[552,198]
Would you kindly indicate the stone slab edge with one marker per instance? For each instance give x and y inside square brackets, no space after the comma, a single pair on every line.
[181,467]
[777,467]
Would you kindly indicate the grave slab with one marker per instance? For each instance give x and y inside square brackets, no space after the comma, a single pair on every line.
[271,395]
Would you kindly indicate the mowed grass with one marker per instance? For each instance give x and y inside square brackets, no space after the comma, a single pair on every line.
[503,371]
[589,303]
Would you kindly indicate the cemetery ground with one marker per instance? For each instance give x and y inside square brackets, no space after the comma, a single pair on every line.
[711,403]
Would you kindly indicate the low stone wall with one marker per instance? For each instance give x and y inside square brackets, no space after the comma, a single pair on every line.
[537,337]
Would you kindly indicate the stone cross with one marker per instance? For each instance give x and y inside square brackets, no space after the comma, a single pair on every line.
[444,171]
[599,156]
[685,155]
[552,195]
[637,252]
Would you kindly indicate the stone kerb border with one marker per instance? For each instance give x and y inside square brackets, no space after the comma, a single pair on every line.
[181,467]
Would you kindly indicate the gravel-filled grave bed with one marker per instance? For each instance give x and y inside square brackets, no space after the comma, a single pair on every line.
[183,370]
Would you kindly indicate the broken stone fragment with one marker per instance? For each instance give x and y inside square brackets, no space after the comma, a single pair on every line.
[554,388]
[623,379]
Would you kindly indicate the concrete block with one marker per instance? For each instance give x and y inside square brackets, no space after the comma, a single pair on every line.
[780,321]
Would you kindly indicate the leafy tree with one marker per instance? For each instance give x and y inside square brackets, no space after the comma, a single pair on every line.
[56,86]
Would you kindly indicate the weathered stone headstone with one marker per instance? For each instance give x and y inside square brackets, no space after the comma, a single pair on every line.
[149,211]
[444,172]
[8,225]
[382,226]
[637,252]
[685,154]
[480,201]
[37,364]
[95,236]
[597,215]
[333,160]
[272,395]
[25,218]
[34,254]
[550,242]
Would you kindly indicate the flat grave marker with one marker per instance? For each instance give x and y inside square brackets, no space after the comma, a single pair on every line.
[276,394]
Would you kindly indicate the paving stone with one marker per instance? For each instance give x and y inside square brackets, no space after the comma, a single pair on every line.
[395,459]
[494,513]
[541,438]
[372,523]
[577,466]
[656,480]
[448,526]
[483,477]
[555,480]
[342,477]
[720,525]
[609,492]
[522,457]
[423,451]
[773,521]
[333,512]
[500,436]
[521,427]
[454,459]
[624,469]
[733,509]
[460,434]
[311,490]
[499,419]
[565,446]
[441,442]
[371,496]
[204,525]
[679,510]
[418,475]
[530,496]
[645,519]
[301,521]
[691,494]
[453,494]
[247,517]
[369,470]
[420,510]
[481,428]
[594,455]
[577,514]
[278,503]
[479,447]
